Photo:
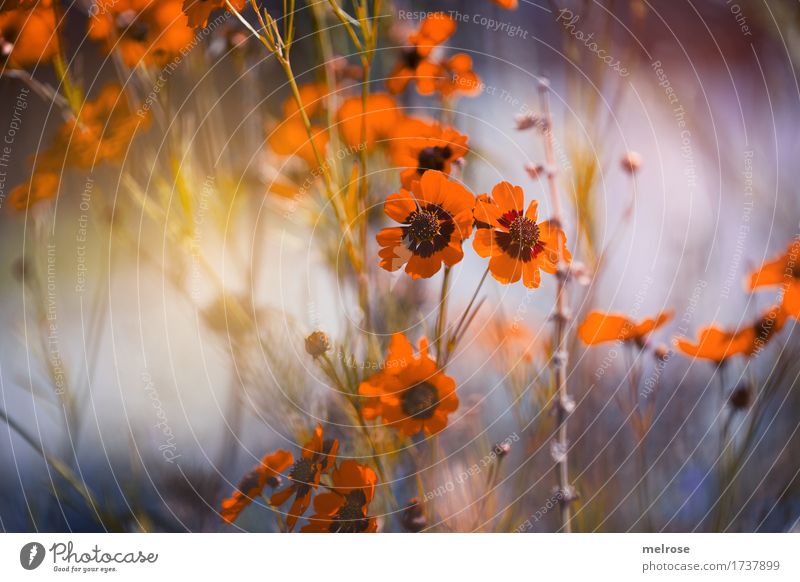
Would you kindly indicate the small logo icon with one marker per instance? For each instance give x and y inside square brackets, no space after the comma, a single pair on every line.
[31,555]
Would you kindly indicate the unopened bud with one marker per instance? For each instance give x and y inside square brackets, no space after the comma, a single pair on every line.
[527,121]
[631,162]
[535,171]
[502,449]
[317,344]
[661,352]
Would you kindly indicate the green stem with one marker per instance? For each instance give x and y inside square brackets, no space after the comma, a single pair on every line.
[442,318]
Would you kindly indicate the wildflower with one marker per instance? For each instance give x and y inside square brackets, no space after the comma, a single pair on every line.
[785,271]
[198,11]
[317,344]
[102,132]
[399,354]
[599,327]
[718,345]
[415,395]
[380,119]
[415,63]
[148,32]
[436,216]
[268,472]
[457,77]
[631,162]
[27,35]
[345,507]
[518,245]
[413,517]
[418,146]
[317,458]
[290,137]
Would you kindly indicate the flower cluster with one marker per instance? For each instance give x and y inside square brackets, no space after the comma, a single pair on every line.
[343,507]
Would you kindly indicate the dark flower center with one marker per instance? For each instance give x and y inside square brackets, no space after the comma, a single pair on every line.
[411,58]
[420,401]
[524,232]
[433,158]
[351,518]
[522,239]
[424,226]
[428,230]
[303,472]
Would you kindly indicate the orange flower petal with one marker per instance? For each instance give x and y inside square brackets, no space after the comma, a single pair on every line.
[505,269]
[508,197]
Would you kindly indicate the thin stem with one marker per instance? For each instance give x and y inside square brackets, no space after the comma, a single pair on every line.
[455,336]
[724,466]
[442,318]
[561,354]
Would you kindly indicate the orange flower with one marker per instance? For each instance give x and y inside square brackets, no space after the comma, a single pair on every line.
[518,245]
[143,31]
[198,11]
[785,271]
[27,35]
[102,132]
[268,472]
[599,327]
[415,395]
[417,146]
[718,345]
[458,77]
[317,458]
[344,509]
[436,216]
[290,137]
[415,64]
[380,119]
[400,354]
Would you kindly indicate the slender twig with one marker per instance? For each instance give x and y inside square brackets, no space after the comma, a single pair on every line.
[469,305]
[442,318]
[560,318]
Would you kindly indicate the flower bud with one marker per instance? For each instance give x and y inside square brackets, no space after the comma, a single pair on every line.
[502,449]
[317,344]
[631,162]
[535,171]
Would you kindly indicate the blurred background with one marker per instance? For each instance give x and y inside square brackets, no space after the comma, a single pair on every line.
[158,361]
